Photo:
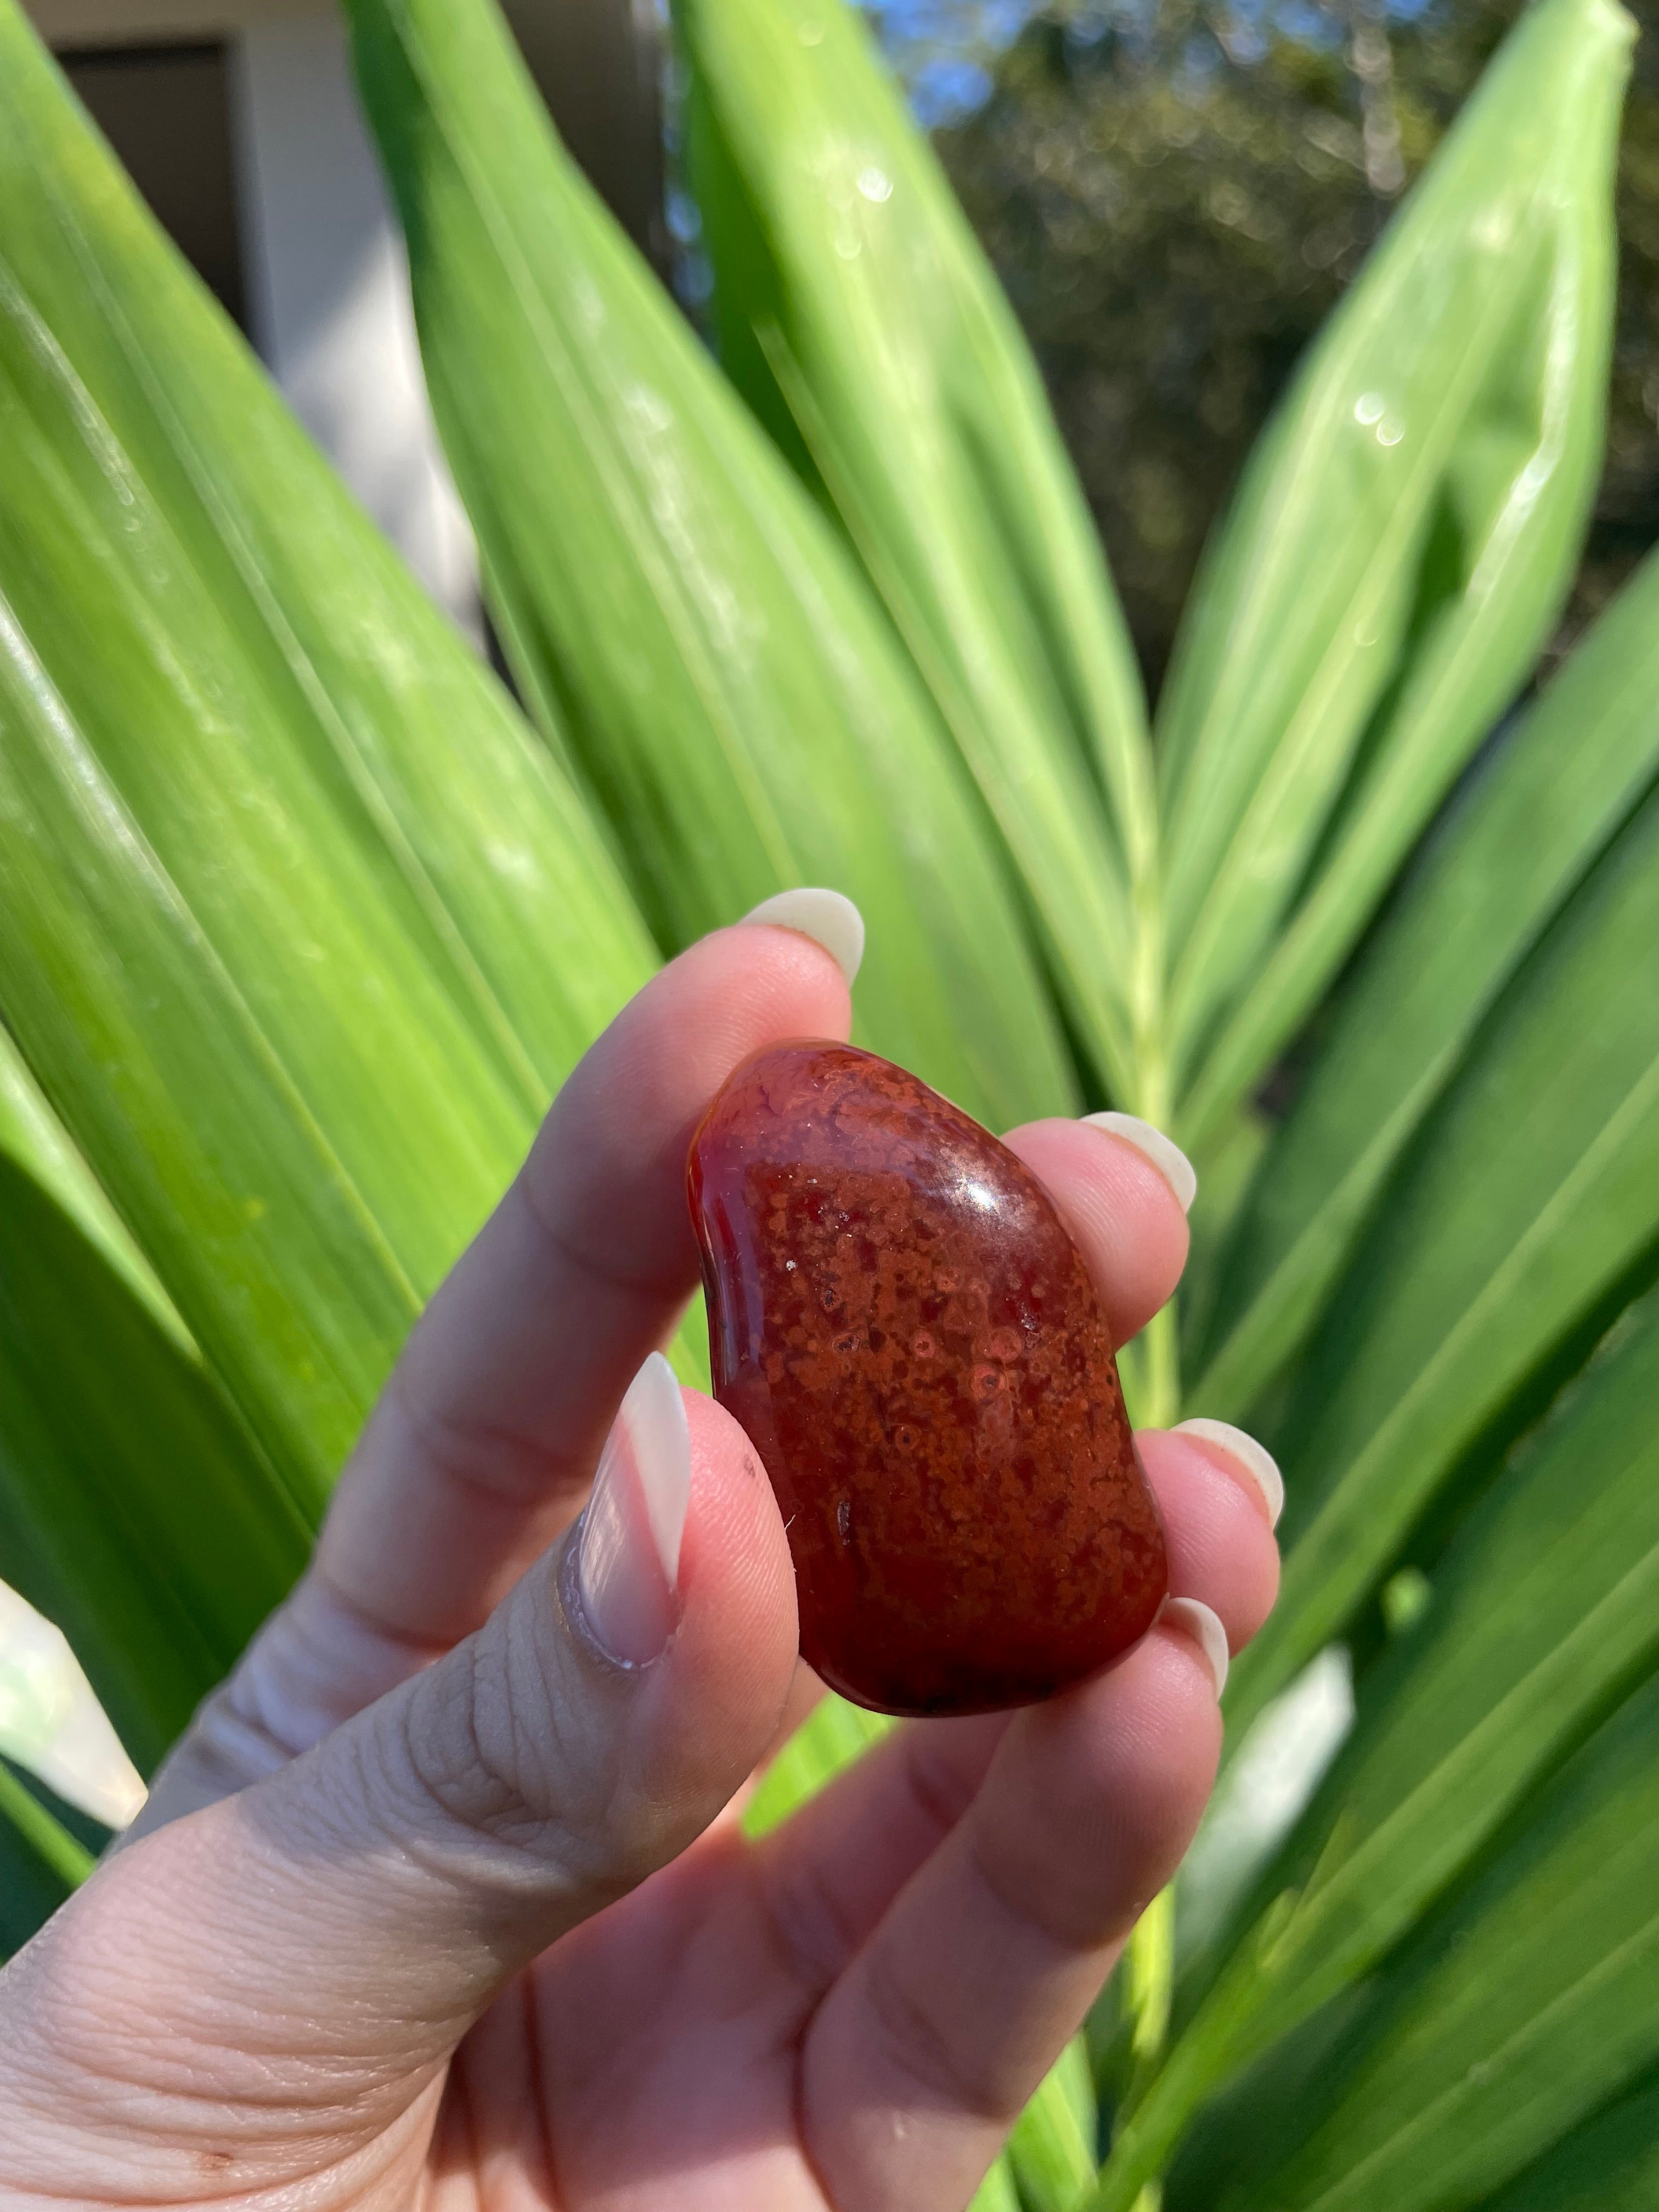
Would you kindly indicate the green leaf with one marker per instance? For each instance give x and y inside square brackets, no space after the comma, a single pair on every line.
[997,2192]
[68,1860]
[1541,1617]
[858,314]
[40,1862]
[832,1736]
[1052,2147]
[300,926]
[1528,1200]
[36,1141]
[1508,2022]
[1492,879]
[1405,533]
[1545,1611]
[136,1511]
[1609,2165]
[739,709]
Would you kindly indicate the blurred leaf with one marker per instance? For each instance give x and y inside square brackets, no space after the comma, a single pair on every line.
[300,926]
[1525,1201]
[1542,1615]
[1492,879]
[1610,2165]
[832,1736]
[996,2193]
[40,1862]
[33,1137]
[739,711]
[857,314]
[136,1511]
[1052,2149]
[1405,533]
[1502,2025]
[1227,1169]
[1263,1790]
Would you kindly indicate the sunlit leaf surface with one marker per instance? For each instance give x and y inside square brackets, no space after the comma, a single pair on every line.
[136,1510]
[1507,2022]
[1540,1617]
[1610,2164]
[858,314]
[723,678]
[1495,874]
[1405,533]
[300,924]
[1529,1198]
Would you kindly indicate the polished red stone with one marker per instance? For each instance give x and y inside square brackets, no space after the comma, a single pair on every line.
[901,1323]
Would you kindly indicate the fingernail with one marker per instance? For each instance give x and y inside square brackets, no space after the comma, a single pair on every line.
[628,1560]
[1195,1619]
[1257,1462]
[1167,1156]
[827,918]
[52,1723]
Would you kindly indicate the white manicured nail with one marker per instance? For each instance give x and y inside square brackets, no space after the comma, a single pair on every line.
[1195,1619]
[628,1560]
[827,917]
[1167,1156]
[1257,1462]
[52,1723]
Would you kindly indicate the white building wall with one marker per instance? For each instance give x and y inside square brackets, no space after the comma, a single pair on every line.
[328,295]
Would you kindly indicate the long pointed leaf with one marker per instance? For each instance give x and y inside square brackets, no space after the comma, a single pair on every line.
[300,925]
[997,2192]
[1498,2030]
[1405,533]
[1609,2165]
[1052,2147]
[859,315]
[1543,1615]
[739,712]
[1545,1611]
[1560,786]
[834,1734]
[36,1140]
[136,1511]
[40,1862]
[1526,1199]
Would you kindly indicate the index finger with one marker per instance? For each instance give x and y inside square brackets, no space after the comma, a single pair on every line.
[1114,1181]
[482,1444]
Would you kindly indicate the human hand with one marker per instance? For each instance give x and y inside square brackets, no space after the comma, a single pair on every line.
[437,1904]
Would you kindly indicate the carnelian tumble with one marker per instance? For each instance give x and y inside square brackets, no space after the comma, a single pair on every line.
[909,1336]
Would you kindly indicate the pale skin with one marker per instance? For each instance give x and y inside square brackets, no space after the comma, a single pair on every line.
[436,1906]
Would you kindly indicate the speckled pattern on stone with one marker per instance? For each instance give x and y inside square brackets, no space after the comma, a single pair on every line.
[901,1323]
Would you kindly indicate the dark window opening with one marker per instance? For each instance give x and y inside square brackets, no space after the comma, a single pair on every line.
[165,109]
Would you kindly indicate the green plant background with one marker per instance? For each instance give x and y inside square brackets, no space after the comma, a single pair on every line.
[302,922]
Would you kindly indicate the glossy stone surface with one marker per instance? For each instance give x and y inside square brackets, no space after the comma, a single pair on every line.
[902,1324]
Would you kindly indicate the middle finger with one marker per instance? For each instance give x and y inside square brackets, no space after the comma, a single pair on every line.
[831,1873]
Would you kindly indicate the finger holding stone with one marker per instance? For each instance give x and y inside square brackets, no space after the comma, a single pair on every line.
[1123,1210]
[1218,1492]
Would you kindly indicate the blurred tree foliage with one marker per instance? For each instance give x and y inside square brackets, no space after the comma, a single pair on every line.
[1174,192]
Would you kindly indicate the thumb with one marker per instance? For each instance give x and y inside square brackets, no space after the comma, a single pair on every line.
[317,1945]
